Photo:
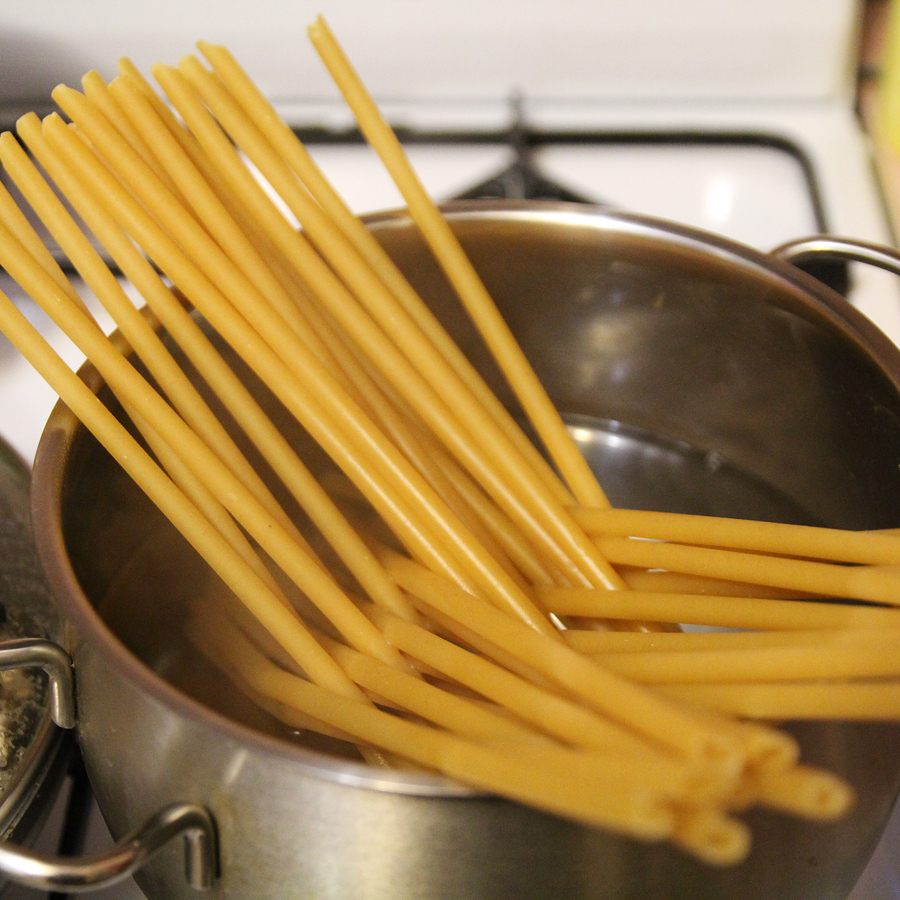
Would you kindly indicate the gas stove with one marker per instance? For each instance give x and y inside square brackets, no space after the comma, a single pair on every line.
[739,123]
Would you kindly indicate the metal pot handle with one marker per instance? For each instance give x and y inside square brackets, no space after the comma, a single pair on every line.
[839,248]
[33,652]
[90,873]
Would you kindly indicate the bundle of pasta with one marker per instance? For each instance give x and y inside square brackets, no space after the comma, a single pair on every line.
[423,617]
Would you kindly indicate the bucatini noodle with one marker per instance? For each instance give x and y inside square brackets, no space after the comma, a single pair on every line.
[493,620]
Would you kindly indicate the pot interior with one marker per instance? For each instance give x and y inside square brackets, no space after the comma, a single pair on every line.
[696,377]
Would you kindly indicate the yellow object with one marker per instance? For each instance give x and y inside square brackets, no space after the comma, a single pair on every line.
[454,530]
[460,271]
[889,80]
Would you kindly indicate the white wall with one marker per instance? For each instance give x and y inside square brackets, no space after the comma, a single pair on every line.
[464,49]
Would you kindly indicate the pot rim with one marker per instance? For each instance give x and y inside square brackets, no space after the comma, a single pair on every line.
[59,432]
[603,218]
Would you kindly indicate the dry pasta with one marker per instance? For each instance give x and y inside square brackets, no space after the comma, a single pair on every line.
[496,622]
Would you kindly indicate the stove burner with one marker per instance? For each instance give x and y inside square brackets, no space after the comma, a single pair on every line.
[521,180]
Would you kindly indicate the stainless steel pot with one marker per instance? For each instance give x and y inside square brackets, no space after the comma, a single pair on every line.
[698,376]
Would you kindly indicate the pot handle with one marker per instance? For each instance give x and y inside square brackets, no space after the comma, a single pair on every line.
[826,246]
[33,652]
[90,873]
[96,871]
